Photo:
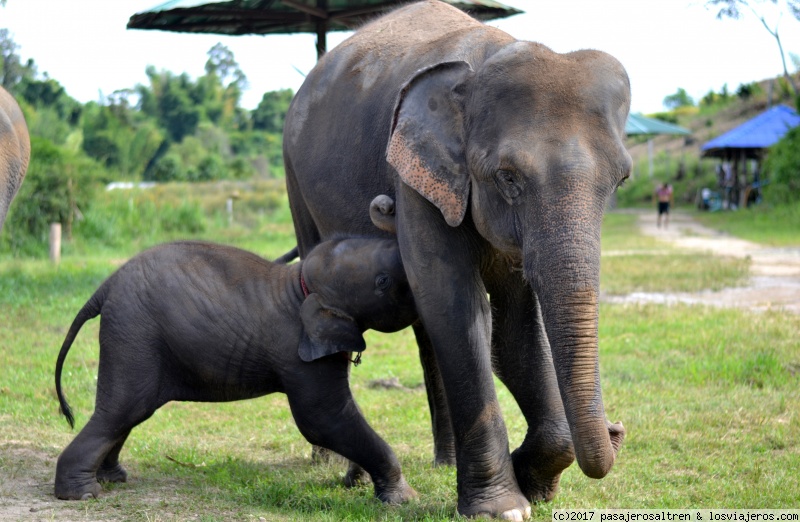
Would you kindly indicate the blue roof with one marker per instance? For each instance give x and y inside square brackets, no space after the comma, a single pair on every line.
[758,133]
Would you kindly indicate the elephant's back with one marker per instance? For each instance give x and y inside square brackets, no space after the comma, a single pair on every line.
[339,122]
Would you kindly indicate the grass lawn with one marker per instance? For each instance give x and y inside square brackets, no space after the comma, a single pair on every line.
[773,226]
[710,399]
[635,263]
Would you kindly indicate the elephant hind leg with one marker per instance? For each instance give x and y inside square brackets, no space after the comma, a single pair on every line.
[444,441]
[111,470]
[93,455]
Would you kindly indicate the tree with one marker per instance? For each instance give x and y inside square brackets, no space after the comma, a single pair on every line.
[680,99]
[222,64]
[59,184]
[177,113]
[11,69]
[733,9]
[222,86]
[271,111]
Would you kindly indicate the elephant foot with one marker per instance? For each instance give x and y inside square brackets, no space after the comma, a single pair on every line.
[509,507]
[113,474]
[445,456]
[356,476]
[538,464]
[537,488]
[72,491]
[398,493]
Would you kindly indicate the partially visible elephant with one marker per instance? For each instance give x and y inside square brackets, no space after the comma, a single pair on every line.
[193,321]
[500,155]
[15,151]
[381,211]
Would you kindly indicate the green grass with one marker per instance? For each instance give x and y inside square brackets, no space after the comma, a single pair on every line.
[710,399]
[774,226]
[633,263]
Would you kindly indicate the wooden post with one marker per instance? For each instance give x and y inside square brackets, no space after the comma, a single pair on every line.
[229,208]
[55,242]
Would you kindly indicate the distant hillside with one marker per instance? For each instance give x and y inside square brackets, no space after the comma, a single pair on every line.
[706,122]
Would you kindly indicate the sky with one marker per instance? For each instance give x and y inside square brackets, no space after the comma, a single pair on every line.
[663,44]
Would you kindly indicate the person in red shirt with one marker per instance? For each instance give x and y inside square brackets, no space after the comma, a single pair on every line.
[664,197]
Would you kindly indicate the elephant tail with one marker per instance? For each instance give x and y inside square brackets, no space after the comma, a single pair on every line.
[89,311]
[291,255]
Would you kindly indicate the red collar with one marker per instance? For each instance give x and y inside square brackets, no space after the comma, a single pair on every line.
[303,284]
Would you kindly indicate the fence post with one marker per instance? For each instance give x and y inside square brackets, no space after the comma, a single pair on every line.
[55,242]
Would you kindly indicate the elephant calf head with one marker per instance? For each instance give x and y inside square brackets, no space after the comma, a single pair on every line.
[353,285]
[15,151]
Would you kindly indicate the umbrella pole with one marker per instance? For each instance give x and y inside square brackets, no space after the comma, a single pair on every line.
[322,30]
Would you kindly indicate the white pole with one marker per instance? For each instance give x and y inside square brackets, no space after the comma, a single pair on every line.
[55,242]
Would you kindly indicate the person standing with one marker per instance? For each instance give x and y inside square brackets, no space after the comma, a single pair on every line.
[664,198]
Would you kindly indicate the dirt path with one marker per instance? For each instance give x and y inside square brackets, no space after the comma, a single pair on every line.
[774,272]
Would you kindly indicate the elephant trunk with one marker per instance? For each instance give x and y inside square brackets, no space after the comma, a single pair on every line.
[563,265]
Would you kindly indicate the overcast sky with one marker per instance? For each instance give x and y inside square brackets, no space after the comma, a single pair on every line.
[664,45]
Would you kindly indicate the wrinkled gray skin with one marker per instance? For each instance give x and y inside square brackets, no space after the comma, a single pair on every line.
[15,151]
[192,321]
[500,156]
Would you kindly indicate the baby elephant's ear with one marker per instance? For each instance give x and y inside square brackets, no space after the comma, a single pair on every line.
[327,331]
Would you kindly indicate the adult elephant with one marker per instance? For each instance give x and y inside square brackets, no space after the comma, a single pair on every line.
[501,156]
[15,151]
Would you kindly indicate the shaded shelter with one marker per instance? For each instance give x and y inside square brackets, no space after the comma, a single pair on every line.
[238,17]
[641,125]
[748,141]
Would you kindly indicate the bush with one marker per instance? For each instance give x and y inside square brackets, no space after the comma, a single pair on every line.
[210,168]
[60,184]
[783,168]
[168,168]
[126,217]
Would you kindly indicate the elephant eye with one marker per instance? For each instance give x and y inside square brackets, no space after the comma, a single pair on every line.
[382,282]
[507,183]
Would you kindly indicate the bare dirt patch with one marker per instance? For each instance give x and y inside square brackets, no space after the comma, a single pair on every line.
[774,281]
[26,493]
[26,484]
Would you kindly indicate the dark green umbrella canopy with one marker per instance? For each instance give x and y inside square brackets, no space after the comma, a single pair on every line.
[638,124]
[238,17]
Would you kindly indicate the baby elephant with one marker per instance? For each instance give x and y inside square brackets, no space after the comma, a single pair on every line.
[193,321]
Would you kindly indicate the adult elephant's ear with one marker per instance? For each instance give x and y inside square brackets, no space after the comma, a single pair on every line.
[327,331]
[426,146]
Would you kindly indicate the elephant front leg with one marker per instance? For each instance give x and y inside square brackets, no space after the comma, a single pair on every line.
[522,358]
[443,269]
[327,415]
[444,443]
